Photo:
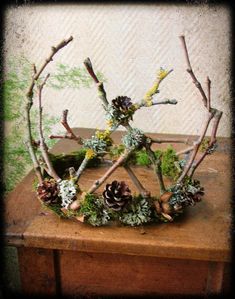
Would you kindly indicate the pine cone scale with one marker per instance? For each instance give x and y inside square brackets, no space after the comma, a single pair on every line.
[116,195]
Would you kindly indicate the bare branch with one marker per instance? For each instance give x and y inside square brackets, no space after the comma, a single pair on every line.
[208,81]
[185,151]
[100,85]
[120,160]
[169,140]
[70,134]
[190,71]
[43,146]
[29,96]
[136,181]
[196,148]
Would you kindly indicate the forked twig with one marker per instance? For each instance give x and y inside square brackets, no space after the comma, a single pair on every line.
[29,96]
[212,112]
[69,132]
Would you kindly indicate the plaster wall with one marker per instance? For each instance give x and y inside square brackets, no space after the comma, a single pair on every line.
[128,43]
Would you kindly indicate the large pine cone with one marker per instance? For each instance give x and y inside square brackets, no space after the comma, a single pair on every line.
[122,104]
[48,191]
[116,195]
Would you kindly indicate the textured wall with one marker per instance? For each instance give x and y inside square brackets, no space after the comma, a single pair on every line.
[128,43]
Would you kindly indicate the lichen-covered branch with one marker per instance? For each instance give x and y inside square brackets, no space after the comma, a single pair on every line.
[196,148]
[162,74]
[43,146]
[100,85]
[211,144]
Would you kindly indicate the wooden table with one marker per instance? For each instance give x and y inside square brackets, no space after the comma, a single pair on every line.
[189,256]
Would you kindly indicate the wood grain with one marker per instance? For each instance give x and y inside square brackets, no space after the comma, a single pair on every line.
[37,271]
[201,234]
[120,275]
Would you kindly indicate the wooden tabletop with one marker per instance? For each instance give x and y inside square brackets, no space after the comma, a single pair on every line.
[203,233]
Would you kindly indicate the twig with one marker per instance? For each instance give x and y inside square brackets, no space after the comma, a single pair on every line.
[196,148]
[185,151]
[143,103]
[190,71]
[36,164]
[43,146]
[212,142]
[191,166]
[136,181]
[169,140]
[208,81]
[81,168]
[154,89]
[100,85]
[70,134]
[120,160]
[29,96]
[157,167]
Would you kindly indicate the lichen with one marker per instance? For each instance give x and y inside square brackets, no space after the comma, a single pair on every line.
[67,192]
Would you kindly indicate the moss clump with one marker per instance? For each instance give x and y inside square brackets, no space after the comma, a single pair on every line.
[168,166]
[92,207]
[62,162]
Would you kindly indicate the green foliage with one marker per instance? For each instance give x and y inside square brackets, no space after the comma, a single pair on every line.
[142,158]
[73,77]
[168,158]
[94,210]
[19,71]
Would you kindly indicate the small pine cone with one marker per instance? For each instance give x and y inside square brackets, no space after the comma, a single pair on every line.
[122,104]
[198,196]
[116,195]
[48,191]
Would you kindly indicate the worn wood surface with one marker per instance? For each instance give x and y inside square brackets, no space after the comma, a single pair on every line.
[201,234]
[37,271]
[108,274]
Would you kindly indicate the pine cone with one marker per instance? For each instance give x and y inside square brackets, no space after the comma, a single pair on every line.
[116,195]
[122,104]
[48,191]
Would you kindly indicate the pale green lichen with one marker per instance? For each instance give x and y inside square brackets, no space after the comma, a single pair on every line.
[67,192]
[137,212]
[133,139]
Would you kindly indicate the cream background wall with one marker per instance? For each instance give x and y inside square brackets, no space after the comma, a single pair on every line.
[128,43]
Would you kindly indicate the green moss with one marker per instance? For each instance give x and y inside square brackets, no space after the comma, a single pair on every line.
[116,150]
[63,162]
[94,210]
[56,209]
[168,166]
